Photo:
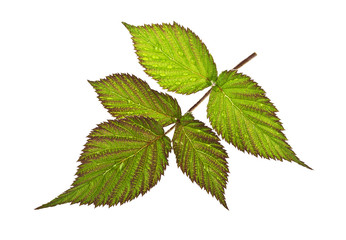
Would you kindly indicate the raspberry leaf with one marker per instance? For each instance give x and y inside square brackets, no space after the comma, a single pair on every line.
[200,156]
[174,56]
[121,160]
[126,95]
[239,110]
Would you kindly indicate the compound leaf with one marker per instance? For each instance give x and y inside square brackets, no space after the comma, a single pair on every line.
[200,156]
[239,110]
[174,56]
[121,160]
[126,95]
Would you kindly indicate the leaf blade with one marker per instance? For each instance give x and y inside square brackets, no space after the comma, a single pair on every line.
[201,157]
[126,95]
[174,56]
[121,160]
[241,113]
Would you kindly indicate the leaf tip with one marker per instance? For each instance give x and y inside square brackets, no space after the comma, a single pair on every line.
[128,26]
[92,83]
[42,206]
[305,165]
[301,163]
[224,204]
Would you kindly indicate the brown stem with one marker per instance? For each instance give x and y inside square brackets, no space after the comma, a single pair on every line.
[242,63]
[200,100]
[170,129]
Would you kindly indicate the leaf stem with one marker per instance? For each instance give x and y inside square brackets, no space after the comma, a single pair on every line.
[246,60]
[171,128]
[200,100]
[239,65]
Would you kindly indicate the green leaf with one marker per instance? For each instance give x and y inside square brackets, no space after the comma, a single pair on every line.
[239,110]
[126,95]
[121,160]
[201,156]
[175,56]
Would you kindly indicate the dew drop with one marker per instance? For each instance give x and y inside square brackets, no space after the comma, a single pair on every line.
[121,166]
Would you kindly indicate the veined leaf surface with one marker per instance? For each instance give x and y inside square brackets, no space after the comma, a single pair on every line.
[200,156]
[121,160]
[175,56]
[126,95]
[239,110]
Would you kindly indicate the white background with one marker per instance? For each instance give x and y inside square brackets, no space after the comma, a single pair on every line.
[48,51]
